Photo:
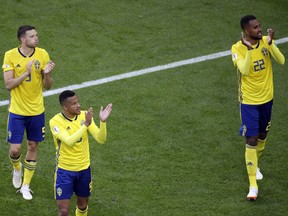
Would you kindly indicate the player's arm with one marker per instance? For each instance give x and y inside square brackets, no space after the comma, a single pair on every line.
[61,134]
[243,65]
[71,140]
[100,135]
[275,52]
[47,77]
[11,81]
[242,62]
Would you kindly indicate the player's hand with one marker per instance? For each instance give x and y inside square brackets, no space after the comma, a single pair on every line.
[49,67]
[88,116]
[104,113]
[245,42]
[29,66]
[270,35]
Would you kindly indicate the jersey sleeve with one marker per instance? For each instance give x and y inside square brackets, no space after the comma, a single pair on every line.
[7,63]
[45,57]
[61,134]
[241,61]
[99,134]
[276,53]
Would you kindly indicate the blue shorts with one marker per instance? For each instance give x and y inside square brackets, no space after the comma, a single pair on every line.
[33,125]
[68,182]
[255,119]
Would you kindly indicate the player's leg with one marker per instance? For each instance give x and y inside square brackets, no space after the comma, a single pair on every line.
[250,129]
[15,159]
[29,168]
[35,133]
[63,190]
[261,144]
[251,166]
[260,147]
[82,206]
[15,154]
[83,188]
[15,129]
[30,161]
[265,111]
[63,207]
[264,126]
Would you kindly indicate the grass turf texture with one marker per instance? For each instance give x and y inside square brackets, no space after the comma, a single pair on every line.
[173,146]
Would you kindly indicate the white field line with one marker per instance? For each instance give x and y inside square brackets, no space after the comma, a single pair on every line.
[141,72]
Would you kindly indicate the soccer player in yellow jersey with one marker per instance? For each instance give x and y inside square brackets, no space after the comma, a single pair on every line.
[27,69]
[252,57]
[70,130]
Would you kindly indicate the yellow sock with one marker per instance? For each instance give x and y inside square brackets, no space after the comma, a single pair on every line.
[16,162]
[29,168]
[251,164]
[79,212]
[260,147]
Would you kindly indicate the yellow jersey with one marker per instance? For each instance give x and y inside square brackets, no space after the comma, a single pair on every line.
[257,86]
[26,99]
[71,140]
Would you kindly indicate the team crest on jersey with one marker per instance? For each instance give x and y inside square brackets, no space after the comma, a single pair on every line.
[59,191]
[82,122]
[265,51]
[235,56]
[37,64]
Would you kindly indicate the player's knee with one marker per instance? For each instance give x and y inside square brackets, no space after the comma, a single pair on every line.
[32,146]
[82,207]
[63,212]
[252,141]
[15,152]
[262,136]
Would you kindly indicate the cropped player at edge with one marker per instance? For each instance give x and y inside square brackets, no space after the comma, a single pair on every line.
[252,58]
[27,69]
[70,130]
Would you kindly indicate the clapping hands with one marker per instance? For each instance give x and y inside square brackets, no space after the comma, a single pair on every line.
[270,35]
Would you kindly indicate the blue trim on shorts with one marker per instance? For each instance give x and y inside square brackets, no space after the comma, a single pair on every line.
[255,118]
[34,126]
[69,182]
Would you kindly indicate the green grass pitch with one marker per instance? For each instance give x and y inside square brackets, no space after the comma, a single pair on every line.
[173,147]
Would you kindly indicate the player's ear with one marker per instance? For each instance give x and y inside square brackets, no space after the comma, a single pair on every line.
[65,107]
[246,31]
[22,39]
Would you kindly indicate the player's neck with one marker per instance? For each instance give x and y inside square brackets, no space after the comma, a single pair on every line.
[68,115]
[27,51]
[253,41]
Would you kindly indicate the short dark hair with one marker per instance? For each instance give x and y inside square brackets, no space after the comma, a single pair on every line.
[64,95]
[22,30]
[245,20]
